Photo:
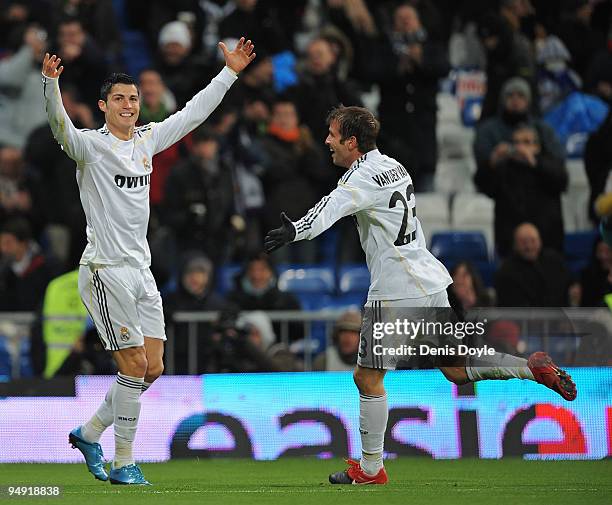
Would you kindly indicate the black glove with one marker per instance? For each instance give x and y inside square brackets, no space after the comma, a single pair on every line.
[280,236]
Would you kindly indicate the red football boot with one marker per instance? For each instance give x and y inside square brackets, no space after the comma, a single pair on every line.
[355,475]
[553,377]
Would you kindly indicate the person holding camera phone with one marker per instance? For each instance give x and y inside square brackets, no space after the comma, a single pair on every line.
[520,165]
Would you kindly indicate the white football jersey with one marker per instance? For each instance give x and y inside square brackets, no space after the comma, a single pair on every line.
[114,175]
[377,190]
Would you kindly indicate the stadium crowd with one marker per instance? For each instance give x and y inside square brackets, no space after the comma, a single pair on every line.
[215,193]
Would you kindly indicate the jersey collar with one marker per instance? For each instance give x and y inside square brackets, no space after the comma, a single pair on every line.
[371,154]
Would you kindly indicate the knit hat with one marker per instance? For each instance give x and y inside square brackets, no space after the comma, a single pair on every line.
[552,49]
[516,85]
[199,263]
[349,321]
[175,31]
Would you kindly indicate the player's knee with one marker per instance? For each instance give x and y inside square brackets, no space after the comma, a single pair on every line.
[456,375]
[133,362]
[154,370]
[367,381]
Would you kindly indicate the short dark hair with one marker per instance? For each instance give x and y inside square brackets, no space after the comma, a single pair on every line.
[356,122]
[115,78]
[68,20]
[19,227]
[204,133]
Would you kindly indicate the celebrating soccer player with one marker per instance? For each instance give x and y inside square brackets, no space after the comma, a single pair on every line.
[113,169]
[378,191]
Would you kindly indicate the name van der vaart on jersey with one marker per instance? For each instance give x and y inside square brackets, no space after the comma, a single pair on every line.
[132,182]
[390,176]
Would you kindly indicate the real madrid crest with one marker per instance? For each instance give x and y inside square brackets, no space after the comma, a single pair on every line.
[146,164]
[125,334]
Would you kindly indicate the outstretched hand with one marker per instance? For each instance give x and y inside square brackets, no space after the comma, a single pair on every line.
[50,66]
[240,57]
[280,236]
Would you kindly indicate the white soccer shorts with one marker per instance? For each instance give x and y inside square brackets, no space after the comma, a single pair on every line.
[124,303]
[390,311]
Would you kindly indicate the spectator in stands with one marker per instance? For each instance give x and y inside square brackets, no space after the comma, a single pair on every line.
[532,276]
[259,21]
[579,37]
[508,52]
[194,293]
[24,271]
[199,199]
[64,341]
[407,64]
[320,88]
[249,345]
[342,355]
[596,278]
[493,141]
[256,84]
[22,107]
[526,184]
[468,286]
[505,336]
[157,101]
[21,191]
[598,166]
[85,63]
[294,175]
[98,18]
[555,78]
[182,73]
[15,18]
[344,24]
[66,220]
[243,145]
[256,289]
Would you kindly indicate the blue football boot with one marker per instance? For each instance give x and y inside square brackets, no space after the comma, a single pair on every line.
[129,474]
[94,458]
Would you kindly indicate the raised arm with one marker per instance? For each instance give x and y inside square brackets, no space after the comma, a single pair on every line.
[206,101]
[71,139]
[343,201]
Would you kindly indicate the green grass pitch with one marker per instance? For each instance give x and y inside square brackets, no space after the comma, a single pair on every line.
[413,481]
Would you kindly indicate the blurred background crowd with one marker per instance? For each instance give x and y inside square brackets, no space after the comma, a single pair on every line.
[498,109]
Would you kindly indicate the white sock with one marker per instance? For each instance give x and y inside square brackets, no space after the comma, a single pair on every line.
[500,366]
[373,416]
[92,430]
[126,408]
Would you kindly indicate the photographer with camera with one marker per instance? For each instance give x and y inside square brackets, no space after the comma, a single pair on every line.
[194,293]
[246,343]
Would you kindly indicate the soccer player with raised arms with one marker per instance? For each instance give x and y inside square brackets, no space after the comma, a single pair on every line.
[113,170]
[378,192]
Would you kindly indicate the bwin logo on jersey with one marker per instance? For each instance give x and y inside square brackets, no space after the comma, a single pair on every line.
[132,182]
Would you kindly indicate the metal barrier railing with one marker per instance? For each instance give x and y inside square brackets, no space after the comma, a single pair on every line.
[284,317]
